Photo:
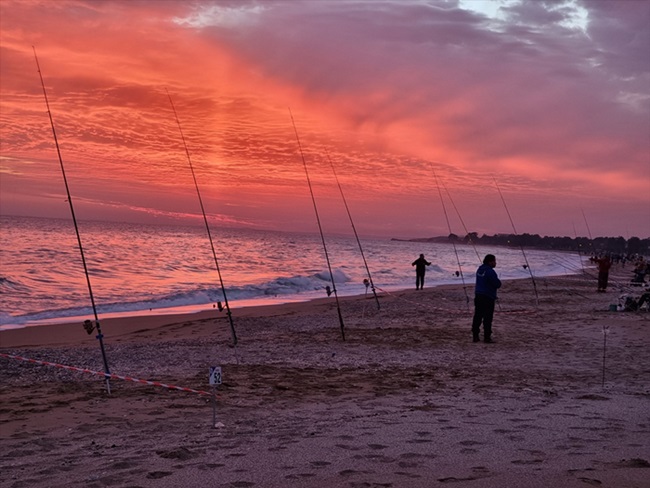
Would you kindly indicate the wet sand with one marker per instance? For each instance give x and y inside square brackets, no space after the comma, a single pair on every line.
[407,400]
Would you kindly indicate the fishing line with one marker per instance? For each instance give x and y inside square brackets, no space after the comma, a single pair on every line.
[207,226]
[575,233]
[462,222]
[480,261]
[605,332]
[444,209]
[587,224]
[89,327]
[591,240]
[520,245]
[363,256]
[591,244]
[320,229]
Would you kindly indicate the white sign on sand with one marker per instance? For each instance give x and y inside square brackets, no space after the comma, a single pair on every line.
[215,375]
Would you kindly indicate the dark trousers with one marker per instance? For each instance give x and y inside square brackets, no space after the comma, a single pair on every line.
[419,280]
[483,312]
[603,278]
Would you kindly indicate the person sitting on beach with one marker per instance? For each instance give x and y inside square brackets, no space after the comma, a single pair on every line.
[630,304]
[420,270]
[487,283]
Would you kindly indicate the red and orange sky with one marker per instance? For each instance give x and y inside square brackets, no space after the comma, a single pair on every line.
[550,98]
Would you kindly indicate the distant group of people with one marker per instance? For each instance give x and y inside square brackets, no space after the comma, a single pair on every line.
[485,294]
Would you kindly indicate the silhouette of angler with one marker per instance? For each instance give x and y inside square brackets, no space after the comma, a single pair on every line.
[420,270]
[487,284]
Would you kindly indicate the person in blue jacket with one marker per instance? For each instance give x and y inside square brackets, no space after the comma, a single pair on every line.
[487,284]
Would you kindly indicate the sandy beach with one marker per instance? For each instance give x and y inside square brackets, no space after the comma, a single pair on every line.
[407,400]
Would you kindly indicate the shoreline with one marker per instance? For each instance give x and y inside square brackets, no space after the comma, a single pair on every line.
[407,400]
[235,305]
[81,310]
[66,331]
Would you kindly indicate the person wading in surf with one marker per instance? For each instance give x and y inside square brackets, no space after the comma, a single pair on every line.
[487,283]
[420,270]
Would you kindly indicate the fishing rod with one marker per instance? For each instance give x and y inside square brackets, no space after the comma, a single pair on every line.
[527,265]
[605,332]
[320,229]
[586,223]
[207,226]
[444,209]
[460,217]
[87,324]
[622,287]
[591,240]
[575,233]
[372,285]
[462,222]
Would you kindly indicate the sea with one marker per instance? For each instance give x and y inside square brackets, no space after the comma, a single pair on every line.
[136,269]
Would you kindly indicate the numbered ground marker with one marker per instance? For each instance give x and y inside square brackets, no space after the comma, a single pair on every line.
[215,375]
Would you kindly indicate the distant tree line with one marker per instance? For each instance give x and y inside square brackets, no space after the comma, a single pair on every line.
[599,245]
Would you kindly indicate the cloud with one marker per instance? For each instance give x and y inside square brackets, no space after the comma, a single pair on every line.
[552,97]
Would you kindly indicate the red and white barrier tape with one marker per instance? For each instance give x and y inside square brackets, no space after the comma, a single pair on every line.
[105,375]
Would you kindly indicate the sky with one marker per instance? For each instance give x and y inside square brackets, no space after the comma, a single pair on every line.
[437,116]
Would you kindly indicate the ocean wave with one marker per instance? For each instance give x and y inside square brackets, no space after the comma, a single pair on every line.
[8,285]
[284,286]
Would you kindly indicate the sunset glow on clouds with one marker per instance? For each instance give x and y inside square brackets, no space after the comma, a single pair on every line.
[550,98]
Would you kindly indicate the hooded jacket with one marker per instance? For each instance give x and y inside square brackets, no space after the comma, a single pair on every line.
[487,281]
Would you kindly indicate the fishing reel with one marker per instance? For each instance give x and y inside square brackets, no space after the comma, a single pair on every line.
[89,326]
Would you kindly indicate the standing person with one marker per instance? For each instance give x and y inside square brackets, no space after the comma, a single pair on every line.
[487,283]
[420,269]
[604,264]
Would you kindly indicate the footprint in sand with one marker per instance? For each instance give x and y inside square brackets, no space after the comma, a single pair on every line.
[591,481]
[319,464]
[377,446]
[348,447]
[470,443]
[453,479]
[181,453]
[306,475]
[632,463]
[156,475]
[527,461]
